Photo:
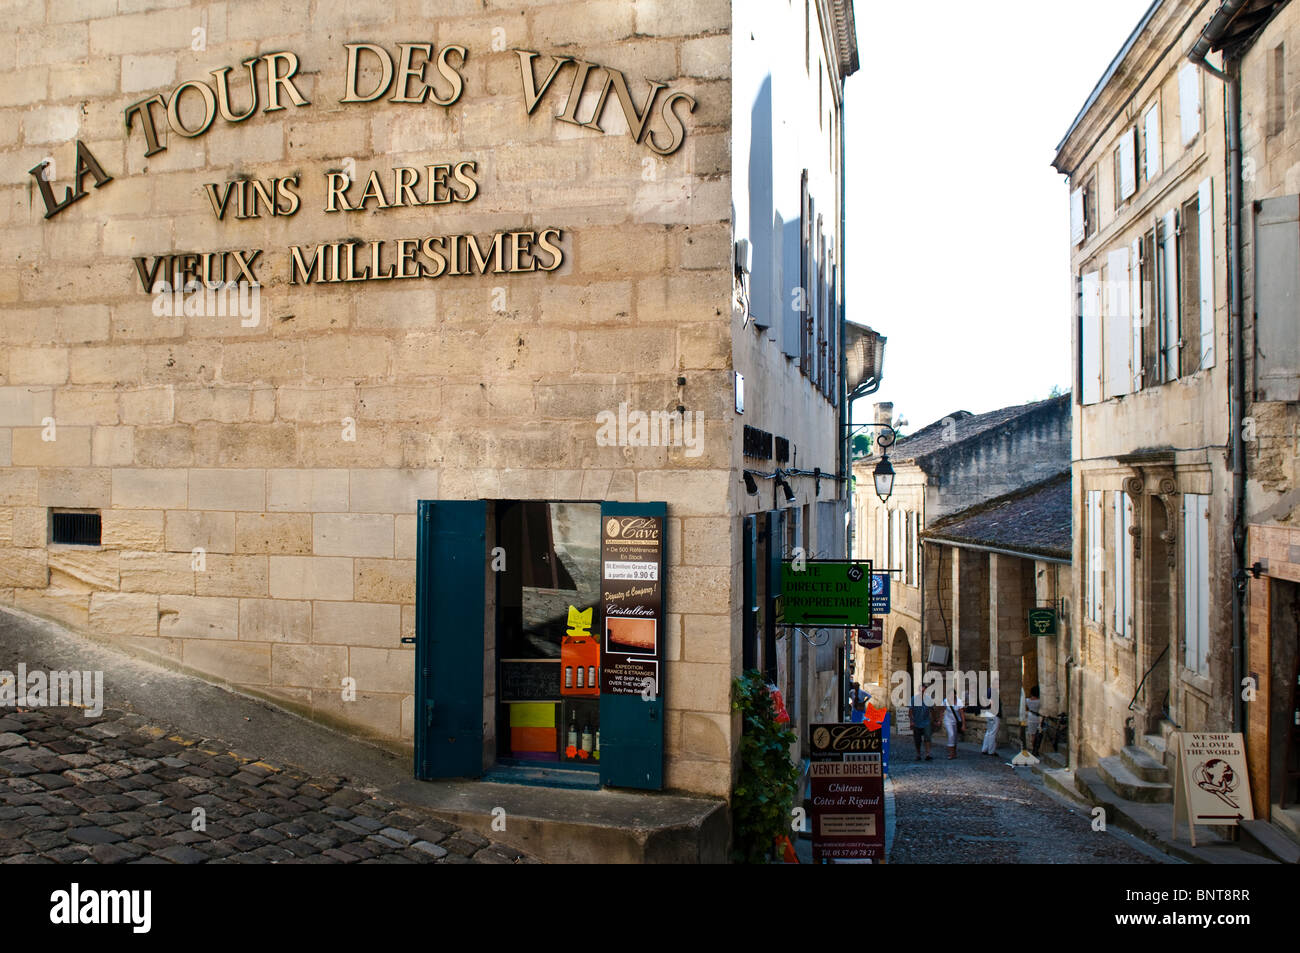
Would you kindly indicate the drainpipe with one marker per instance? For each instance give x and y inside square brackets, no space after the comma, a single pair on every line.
[1231,77]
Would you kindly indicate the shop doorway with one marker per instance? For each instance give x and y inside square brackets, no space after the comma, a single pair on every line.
[1284,702]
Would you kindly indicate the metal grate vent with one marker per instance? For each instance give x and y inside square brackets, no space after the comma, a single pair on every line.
[79,529]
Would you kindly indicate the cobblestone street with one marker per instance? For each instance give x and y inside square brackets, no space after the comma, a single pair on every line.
[119,789]
[978,810]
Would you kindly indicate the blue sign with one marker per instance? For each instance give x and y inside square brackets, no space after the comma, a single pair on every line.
[880,593]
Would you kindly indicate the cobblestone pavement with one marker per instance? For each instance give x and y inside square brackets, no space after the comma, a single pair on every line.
[978,810]
[117,789]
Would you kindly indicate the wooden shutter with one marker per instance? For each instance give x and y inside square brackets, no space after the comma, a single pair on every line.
[1127,153]
[1151,141]
[1196,582]
[1096,566]
[1206,271]
[1077,226]
[1136,316]
[1189,101]
[1090,337]
[1189,266]
[1117,370]
[749,620]
[1277,298]
[1147,276]
[1168,276]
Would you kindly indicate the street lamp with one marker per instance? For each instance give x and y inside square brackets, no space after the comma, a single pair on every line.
[884,477]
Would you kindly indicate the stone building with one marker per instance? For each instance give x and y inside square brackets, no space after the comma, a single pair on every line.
[946,475]
[504,288]
[1152,480]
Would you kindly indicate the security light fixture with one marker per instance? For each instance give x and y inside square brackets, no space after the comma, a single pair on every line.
[785,487]
[751,485]
[884,477]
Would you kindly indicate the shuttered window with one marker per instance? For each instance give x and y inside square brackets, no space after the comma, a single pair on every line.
[1189,261]
[1122,563]
[1196,582]
[1090,337]
[1126,166]
[1117,334]
[1095,556]
[1151,141]
[1135,312]
[1277,298]
[1149,310]
[1189,102]
[1076,217]
[1205,271]
[1168,264]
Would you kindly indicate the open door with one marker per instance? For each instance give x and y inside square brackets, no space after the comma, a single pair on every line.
[451,562]
[633,605]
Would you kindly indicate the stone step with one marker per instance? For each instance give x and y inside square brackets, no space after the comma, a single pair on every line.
[1143,765]
[1155,746]
[1129,786]
[1272,840]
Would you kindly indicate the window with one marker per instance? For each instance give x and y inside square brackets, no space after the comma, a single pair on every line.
[1095,556]
[1146,317]
[1167,273]
[916,549]
[1077,227]
[1276,91]
[1196,306]
[1125,166]
[1151,142]
[1189,102]
[1117,371]
[1196,583]
[1277,289]
[77,529]
[1083,211]
[1122,560]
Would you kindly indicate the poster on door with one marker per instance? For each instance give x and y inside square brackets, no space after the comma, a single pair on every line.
[631,585]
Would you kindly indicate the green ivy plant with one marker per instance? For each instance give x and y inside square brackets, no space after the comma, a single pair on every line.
[764,794]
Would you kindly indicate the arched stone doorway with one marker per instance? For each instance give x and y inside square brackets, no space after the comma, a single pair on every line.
[900,659]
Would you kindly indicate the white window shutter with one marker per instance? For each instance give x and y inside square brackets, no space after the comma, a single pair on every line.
[1191,581]
[1169,294]
[1117,561]
[1206,236]
[1277,298]
[1118,331]
[1077,226]
[1151,139]
[1129,628]
[1135,311]
[1189,101]
[1203,605]
[1090,337]
[1127,163]
[1095,553]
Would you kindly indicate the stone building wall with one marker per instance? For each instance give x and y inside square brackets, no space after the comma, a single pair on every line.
[258,483]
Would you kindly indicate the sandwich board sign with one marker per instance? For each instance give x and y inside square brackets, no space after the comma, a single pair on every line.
[1211,785]
[847,790]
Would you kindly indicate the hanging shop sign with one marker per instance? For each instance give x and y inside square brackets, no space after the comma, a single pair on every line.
[1211,785]
[873,636]
[632,557]
[825,592]
[847,791]
[1042,622]
[880,593]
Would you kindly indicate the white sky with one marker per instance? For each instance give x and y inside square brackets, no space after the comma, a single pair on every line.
[958,227]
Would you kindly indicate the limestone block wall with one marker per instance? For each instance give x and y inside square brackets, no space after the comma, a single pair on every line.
[258,481]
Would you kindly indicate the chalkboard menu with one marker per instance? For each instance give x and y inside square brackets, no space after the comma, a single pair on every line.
[529,680]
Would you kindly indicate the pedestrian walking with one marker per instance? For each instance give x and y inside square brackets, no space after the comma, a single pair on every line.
[857,703]
[920,713]
[1034,720]
[953,721]
[994,720]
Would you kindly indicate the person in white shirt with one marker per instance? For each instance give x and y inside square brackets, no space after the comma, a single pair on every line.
[952,723]
[994,716]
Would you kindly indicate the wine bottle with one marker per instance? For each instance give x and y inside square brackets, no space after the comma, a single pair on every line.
[573,730]
[586,738]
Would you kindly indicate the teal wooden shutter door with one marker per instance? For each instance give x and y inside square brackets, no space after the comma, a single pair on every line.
[749,644]
[775,552]
[632,728]
[450,590]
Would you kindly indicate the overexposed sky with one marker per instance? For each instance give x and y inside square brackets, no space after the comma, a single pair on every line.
[958,227]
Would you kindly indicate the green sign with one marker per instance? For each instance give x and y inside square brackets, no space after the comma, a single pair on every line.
[825,592]
[1042,622]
